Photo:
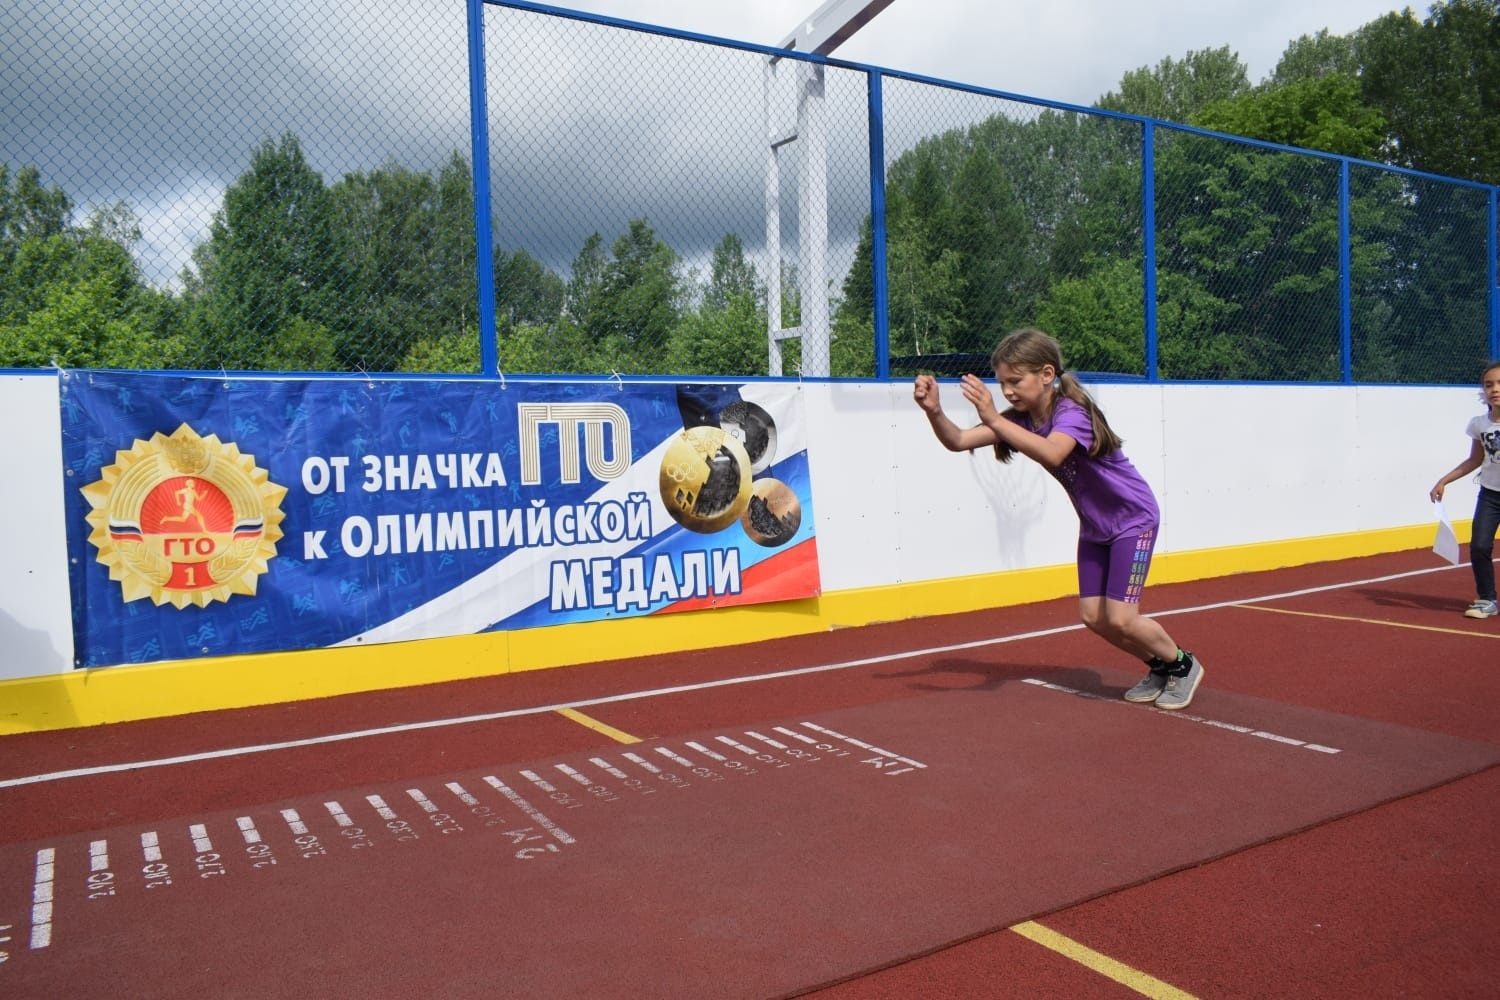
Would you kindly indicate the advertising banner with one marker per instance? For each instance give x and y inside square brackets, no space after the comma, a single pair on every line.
[215,516]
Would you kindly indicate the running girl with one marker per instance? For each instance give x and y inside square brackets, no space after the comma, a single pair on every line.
[1053,420]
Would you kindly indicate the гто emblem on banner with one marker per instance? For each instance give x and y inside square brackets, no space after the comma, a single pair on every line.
[184,519]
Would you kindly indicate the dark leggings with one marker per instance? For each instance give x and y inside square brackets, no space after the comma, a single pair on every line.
[1482,542]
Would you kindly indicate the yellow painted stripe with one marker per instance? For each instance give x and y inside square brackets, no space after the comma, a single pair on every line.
[1370,621]
[597,726]
[1143,984]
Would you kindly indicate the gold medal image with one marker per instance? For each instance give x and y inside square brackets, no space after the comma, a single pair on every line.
[705,479]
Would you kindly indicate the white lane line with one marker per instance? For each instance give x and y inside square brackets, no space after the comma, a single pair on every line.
[731,742]
[248,830]
[705,751]
[558,833]
[41,898]
[420,798]
[642,762]
[1215,723]
[675,757]
[386,812]
[463,794]
[409,727]
[294,822]
[575,774]
[607,767]
[835,734]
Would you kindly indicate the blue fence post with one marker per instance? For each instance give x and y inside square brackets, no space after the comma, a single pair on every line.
[1148,237]
[1493,269]
[882,324]
[1346,322]
[484,239]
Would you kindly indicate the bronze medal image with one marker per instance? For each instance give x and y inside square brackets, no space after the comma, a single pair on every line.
[773,514]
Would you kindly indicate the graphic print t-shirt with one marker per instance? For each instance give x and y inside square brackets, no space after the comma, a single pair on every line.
[1111,497]
[1487,433]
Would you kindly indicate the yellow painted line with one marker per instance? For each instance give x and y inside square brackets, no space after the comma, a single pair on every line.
[597,726]
[1369,621]
[1148,986]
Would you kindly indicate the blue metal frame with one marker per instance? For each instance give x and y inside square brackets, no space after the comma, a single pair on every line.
[1492,267]
[1148,243]
[484,237]
[1346,277]
[882,324]
[876,76]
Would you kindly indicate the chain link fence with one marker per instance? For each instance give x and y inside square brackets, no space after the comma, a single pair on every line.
[271,186]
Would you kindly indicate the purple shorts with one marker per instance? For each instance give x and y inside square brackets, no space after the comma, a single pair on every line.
[1116,570]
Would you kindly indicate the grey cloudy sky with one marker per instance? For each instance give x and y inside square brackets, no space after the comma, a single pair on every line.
[1072,51]
[160,102]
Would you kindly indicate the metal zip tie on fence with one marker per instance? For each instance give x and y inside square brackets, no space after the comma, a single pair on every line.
[619,381]
[502,378]
[369,382]
[225,374]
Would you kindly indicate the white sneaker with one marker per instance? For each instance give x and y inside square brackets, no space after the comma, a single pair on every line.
[1482,609]
[1180,690]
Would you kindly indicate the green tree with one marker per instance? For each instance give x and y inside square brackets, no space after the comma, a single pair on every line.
[1323,113]
[451,352]
[30,214]
[1312,57]
[1257,228]
[1422,314]
[1098,320]
[274,253]
[635,303]
[1437,82]
[586,280]
[73,295]
[731,275]
[925,291]
[1175,90]
[726,334]
[526,290]
[982,222]
[410,264]
[27,208]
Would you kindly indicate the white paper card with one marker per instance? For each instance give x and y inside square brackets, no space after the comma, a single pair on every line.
[1446,543]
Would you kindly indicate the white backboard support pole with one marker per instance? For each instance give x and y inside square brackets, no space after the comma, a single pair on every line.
[819,34]
[830,25]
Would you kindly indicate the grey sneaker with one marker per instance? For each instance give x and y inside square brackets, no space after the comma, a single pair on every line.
[1179,690]
[1482,609]
[1148,688]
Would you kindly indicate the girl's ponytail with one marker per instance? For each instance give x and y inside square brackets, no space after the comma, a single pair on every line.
[1106,441]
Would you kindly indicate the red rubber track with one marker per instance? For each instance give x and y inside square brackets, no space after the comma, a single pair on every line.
[1319,823]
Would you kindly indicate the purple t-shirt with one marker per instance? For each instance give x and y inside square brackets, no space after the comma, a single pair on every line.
[1109,494]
